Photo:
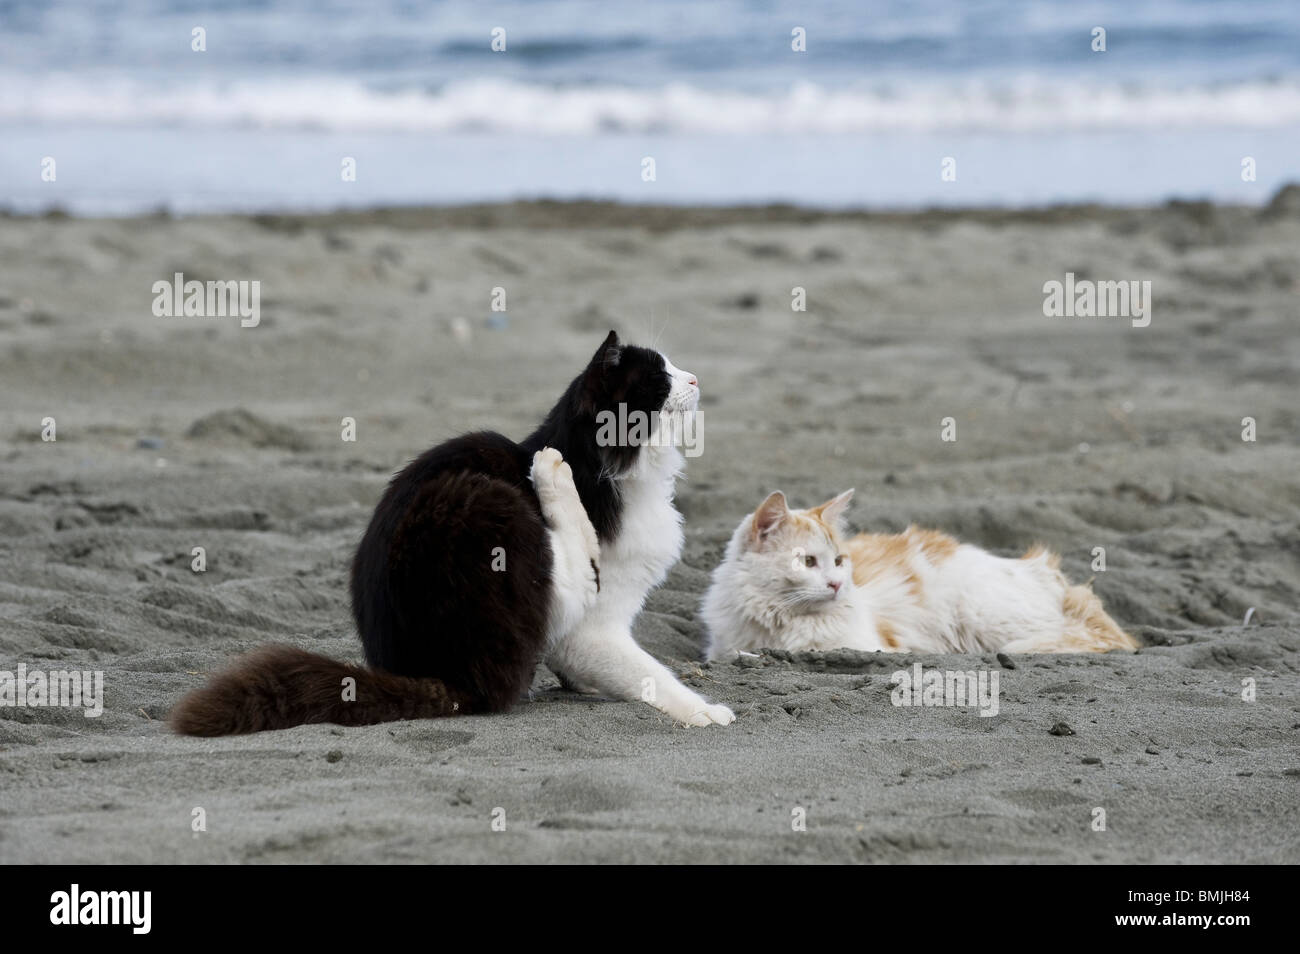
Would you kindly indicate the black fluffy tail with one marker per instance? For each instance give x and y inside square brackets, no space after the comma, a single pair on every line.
[279,686]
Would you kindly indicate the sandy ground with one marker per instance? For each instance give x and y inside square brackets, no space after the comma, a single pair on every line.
[174,433]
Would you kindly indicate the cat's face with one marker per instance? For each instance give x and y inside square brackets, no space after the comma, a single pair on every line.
[797,555]
[628,378]
[633,394]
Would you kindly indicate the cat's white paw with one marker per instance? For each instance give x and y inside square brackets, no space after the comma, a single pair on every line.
[562,508]
[564,484]
[552,478]
[712,715]
[546,465]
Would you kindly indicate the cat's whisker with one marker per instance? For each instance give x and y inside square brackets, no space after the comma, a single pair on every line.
[655,336]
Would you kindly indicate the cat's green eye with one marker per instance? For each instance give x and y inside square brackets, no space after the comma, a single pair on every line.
[810,561]
[839,560]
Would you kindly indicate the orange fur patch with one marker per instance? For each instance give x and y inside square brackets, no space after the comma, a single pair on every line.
[1038,550]
[936,546]
[810,521]
[1093,628]
[873,553]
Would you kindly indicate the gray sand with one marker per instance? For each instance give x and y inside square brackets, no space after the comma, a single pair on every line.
[176,433]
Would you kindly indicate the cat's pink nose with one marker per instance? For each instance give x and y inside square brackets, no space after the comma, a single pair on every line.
[834,585]
[694,382]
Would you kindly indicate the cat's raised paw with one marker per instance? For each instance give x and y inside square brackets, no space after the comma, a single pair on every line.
[553,480]
[712,715]
[552,476]
[546,463]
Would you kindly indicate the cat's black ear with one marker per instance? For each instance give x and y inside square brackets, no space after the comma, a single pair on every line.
[607,354]
[593,379]
[769,515]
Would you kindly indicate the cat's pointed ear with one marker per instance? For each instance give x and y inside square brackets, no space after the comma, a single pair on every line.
[607,354]
[832,511]
[593,379]
[769,514]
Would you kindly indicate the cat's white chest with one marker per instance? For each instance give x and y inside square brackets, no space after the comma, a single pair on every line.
[650,535]
[649,540]
[850,626]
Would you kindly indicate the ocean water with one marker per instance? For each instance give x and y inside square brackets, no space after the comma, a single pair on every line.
[266,116]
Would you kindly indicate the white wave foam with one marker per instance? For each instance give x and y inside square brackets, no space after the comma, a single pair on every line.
[1028,104]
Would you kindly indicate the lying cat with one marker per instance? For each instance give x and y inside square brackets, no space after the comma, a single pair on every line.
[485,556]
[790,581]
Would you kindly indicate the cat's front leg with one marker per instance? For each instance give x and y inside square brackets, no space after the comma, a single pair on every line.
[600,654]
[575,551]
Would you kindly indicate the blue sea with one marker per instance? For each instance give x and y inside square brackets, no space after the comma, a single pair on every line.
[283,93]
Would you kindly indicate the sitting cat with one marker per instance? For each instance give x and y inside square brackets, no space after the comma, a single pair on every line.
[790,581]
[485,556]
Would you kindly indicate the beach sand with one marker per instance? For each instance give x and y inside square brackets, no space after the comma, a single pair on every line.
[176,433]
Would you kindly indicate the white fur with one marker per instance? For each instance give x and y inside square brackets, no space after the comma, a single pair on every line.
[574,547]
[593,649]
[761,596]
[975,601]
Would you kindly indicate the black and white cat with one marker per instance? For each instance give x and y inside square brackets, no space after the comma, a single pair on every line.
[486,556]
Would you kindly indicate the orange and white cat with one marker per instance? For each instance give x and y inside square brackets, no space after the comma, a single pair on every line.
[790,580]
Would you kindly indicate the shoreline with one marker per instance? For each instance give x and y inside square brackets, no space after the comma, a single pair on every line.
[543,213]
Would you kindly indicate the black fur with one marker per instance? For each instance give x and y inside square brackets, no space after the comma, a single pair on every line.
[427,601]
[627,375]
